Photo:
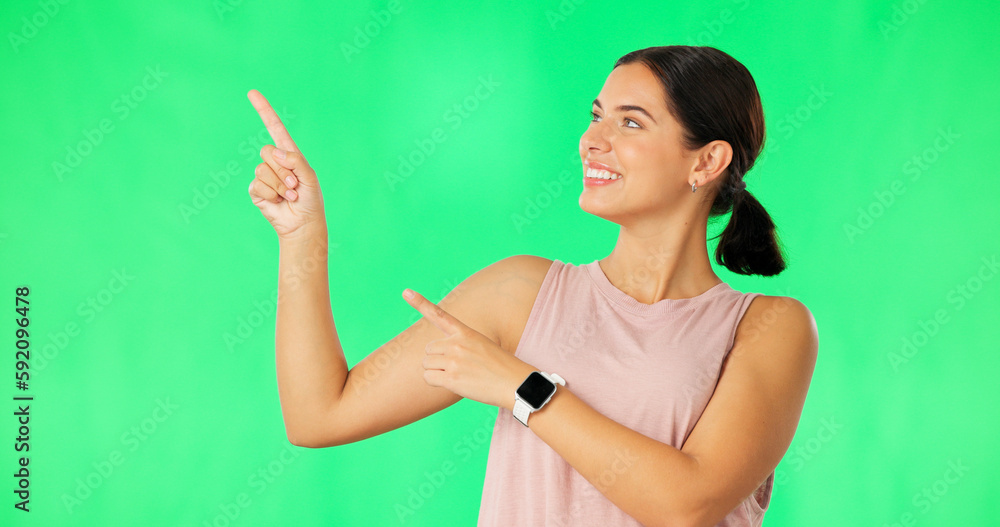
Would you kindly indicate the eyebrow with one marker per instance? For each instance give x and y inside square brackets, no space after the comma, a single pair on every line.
[627,107]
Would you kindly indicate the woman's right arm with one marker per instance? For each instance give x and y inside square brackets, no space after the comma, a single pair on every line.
[324,403]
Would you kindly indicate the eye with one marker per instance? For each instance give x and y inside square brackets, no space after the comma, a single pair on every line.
[596,118]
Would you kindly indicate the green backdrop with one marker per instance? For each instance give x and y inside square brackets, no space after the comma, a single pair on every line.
[130,144]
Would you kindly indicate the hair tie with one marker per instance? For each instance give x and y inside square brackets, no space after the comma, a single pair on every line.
[741,185]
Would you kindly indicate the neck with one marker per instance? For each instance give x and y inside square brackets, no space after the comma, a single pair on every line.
[661,260]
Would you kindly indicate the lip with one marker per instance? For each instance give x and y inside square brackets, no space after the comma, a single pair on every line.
[591,182]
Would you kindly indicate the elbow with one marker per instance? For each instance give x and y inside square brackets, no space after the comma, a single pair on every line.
[296,438]
[689,511]
[692,505]
[323,430]
[693,521]
[300,441]
[675,519]
[310,430]
[698,515]
[307,442]
[306,439]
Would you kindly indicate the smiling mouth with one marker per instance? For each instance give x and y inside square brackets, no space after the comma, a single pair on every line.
[594,173]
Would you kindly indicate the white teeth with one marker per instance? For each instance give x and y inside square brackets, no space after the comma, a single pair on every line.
[601,174]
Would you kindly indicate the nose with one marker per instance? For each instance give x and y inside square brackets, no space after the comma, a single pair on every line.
[594,138]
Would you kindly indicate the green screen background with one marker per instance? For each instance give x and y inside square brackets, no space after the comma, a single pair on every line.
[152,276]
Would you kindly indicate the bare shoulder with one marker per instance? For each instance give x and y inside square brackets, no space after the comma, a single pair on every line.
[499,297]
[520,278]
[524,269]
[778,326]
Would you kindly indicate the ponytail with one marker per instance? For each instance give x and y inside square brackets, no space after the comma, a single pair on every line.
[749,245]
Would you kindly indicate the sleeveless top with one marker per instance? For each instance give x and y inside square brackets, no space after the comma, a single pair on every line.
[650,367]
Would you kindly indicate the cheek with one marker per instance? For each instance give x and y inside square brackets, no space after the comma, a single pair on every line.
[645,158]
[654,172]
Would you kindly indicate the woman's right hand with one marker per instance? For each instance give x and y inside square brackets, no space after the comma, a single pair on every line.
[285,187]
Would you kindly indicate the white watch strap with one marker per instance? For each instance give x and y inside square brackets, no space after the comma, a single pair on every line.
[521,411]
[554,377]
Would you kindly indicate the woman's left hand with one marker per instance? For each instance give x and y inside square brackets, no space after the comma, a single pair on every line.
[467,362]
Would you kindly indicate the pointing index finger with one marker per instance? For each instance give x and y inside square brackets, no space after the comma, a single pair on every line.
[273,123]
[435,314]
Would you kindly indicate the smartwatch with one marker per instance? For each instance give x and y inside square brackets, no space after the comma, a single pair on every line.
[534,392]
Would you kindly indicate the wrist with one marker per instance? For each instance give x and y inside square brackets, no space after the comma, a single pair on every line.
[534,394]
[311,233]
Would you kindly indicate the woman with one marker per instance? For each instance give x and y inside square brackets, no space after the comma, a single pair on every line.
[639,389]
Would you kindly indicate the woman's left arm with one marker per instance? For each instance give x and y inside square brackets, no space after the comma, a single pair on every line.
[738,441]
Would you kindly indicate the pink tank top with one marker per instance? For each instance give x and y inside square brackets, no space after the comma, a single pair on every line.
[668,355]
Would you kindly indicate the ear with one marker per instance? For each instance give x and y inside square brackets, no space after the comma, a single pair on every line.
[712,161]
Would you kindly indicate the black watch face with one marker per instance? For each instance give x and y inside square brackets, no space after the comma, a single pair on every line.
[535,390]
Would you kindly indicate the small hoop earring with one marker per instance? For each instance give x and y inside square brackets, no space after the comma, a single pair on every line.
[693,187]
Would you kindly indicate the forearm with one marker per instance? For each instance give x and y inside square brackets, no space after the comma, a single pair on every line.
[309,359]
[648,479]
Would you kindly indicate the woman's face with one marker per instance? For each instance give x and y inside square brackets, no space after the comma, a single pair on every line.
[634,135]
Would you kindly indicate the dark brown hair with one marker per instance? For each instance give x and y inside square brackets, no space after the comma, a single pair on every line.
[714,97]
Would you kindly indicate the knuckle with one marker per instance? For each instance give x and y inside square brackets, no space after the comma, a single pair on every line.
[298,160]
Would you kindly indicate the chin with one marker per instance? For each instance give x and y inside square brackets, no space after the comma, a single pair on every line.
[601,210]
